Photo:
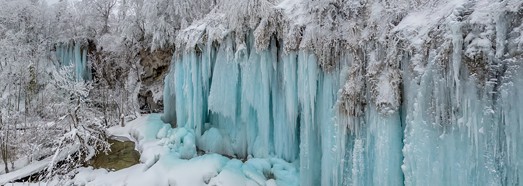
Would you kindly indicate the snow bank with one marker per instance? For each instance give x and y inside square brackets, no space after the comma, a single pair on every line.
[169,158]
[36,166]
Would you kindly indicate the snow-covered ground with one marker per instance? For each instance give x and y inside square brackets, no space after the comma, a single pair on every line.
[19,163]
[32,168]
[169,157]
[24,169]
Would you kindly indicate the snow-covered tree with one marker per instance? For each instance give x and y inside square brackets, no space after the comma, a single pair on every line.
[83,129]
[34,97]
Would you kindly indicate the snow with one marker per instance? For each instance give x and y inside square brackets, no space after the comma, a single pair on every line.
[231,176]
[19,163]
[164,161]
[25,171]
[416,26]
[36,166]
[295,12]
[119,131]
[213,141]
[86,175]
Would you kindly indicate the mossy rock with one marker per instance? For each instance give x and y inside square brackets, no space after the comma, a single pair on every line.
[121,156]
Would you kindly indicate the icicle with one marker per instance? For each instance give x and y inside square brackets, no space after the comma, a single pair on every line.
[78,63]
[285,108]
[309,134]
[169,96]
[457,46]
[223,93]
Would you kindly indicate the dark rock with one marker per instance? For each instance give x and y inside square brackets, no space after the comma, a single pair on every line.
[155,67]
[122,155]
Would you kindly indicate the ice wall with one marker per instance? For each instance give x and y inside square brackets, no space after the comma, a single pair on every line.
[75,55]
[276,104]
[442,111]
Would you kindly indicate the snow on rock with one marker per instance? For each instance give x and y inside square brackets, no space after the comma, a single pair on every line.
[418,23]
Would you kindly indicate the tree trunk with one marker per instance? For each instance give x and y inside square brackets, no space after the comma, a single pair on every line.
[3,146]
[4,159]
[122,120]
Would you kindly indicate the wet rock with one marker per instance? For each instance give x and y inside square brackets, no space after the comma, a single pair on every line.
[122,155]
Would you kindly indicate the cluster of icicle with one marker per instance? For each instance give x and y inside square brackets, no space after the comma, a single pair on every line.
[74,54]
[330,29]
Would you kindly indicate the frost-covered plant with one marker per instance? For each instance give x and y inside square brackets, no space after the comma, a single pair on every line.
[352,100]
[164,18]
[83,130]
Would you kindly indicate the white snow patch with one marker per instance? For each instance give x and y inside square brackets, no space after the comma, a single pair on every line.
[416,25]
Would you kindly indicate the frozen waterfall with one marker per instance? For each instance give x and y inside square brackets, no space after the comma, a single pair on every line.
[445,126]
[75,55]
[270,104]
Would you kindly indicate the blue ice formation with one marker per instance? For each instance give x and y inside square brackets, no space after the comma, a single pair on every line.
[450,128]
[75,54]
[169,155]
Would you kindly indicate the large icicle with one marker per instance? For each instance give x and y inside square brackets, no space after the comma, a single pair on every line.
[310,167]
[285,108]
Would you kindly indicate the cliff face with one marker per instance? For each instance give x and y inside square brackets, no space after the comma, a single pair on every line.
[359,92]
[155,66]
